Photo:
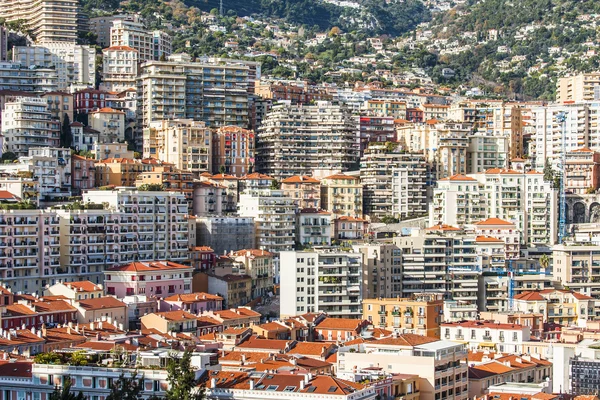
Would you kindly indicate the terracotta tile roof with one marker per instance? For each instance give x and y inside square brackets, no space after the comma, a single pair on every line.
[381,333]
[488,239]
[6,195]
[178,315]
[221,177]
[23,337]
[83,286]
[407,339]
[311,349]
[340,324]
[274,327]
[101,303]
[350,219]
[257,175]
[205,321]
[489,369]
[21,369]
[107,110]
[253,253]
[19,309]
[300,179]
[236,313]
[124,48]
[255,343]
[443,227]
[459,177]
[529,296]
[478,356]
[502,171]
[342,176]
[235,331]
[149,266]
[494,221]
[250,356]
[52,306]
[581,296]
[582,150]
[193,297]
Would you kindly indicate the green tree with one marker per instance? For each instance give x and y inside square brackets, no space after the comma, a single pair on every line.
[222,170]
[548,172]
[183,384]
[78,358]
[544,261]
[274,184]
[151,187]
[64,392]
[9,157]
[66,136]
[127,388]
[47,358]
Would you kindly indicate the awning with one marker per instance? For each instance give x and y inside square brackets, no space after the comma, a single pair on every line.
[487,344]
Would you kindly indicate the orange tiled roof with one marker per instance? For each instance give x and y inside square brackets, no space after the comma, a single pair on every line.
[101,303]
[177,315]
[458,177]
[300,179]
[252,253]
[340,324]
[407,339]
[488,239]
[83,286]
[149,266]
[193,297]
[312,349]
[443,227]
[529,296]
[342,176]
[494,221]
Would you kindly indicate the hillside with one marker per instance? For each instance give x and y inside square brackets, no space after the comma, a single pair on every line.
[522,45]
[373,16]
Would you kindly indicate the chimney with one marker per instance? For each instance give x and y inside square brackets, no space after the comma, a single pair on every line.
[307,378]
[302,385]
[70,324]
[251,384]
[92,326]
[44,332]
[213,383]
[243,359]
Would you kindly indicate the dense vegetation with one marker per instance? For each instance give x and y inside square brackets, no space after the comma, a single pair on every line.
[375,16]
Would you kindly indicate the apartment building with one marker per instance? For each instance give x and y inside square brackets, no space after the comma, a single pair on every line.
[342,195]
[125,32]
[382,272]
[350,228]
[26,122]
[75,64]
[305,190]
[170,178]
[88,100]
[441,366]
[386,107]
[29,249]
[53,169]
[101,26]
[420,314]
[103,151]
[494,336]
[297,92]
[119,68]
[274,218]
[225,234]
[120,171]
[48,20]
[440,259]
[14,76]
[258,265]
[213,92]
[487,151]
[546,141]
[160,218]
[505,231]
[59,105]
[150,278]
[582,171]
[379,167]
[313,227]
[184,143]
[211,199]
[299,140]
[577,265]
[524,199]
[326,281]
[233,150]
[578,88]
[375,129]
[563,307]
[83,137]
[110,124]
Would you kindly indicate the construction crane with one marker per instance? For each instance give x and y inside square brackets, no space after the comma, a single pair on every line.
[561,118]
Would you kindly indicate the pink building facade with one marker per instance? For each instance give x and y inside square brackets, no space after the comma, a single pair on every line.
[153,279]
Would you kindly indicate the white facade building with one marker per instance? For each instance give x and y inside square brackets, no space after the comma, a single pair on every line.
[321,281]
